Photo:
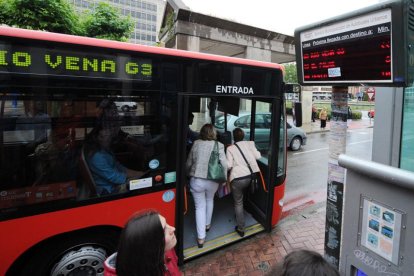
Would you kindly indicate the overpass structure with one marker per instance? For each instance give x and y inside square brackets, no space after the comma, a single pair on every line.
[184,29]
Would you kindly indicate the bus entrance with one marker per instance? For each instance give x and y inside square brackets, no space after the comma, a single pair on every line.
[255,117]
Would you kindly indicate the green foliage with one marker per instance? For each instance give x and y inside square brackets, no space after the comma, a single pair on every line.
[105,22]
[291,73]
[356,115]
[169,23]
[49,15]
[4,11]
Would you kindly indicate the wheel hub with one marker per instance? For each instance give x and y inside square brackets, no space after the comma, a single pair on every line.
[88,260]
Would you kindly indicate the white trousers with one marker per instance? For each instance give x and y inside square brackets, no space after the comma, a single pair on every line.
[203,191]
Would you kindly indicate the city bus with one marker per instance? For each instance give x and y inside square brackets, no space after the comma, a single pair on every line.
[56,90]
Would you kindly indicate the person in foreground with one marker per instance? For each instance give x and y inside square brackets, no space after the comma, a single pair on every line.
[304,263]
[146,247]
[240,175]
[203,189]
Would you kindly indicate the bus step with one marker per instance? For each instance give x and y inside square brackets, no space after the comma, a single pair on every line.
[210,245]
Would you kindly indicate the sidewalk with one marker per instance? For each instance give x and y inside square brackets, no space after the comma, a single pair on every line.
[315,127]
[257,255]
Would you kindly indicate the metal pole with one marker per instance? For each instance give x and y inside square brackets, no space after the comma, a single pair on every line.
[336,174]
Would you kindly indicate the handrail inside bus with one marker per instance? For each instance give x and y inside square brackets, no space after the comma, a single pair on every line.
[263,182]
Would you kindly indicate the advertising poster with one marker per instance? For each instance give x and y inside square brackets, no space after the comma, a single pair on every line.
[381,230]
[333,224]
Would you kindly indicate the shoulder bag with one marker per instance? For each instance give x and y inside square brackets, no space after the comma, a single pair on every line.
[215,169]
[254,185]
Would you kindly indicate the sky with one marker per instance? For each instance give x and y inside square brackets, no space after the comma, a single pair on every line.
[281,16]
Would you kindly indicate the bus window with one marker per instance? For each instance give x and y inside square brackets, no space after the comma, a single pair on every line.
[42,158]
[38,160]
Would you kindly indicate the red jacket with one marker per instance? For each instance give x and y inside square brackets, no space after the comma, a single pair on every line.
[171,263]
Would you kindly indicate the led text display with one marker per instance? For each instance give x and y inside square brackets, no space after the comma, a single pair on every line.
[356,50]
[57,62]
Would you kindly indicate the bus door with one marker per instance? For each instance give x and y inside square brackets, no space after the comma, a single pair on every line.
[260,126]
[226,114]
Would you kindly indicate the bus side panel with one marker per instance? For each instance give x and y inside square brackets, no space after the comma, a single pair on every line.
[277,203]
[36,228]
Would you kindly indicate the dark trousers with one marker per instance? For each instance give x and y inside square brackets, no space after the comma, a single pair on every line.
[238,186]
[323,123]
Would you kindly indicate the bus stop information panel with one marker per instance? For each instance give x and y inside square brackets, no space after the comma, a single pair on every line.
[371,46]
[354,50]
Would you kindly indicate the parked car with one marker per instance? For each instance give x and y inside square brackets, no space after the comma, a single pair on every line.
[371,113]
[296,137]
[126,106]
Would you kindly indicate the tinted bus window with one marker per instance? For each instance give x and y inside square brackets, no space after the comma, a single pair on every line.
[44,140]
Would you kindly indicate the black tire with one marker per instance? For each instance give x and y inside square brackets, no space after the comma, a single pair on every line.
[125,108]
[296,143]
[79,254]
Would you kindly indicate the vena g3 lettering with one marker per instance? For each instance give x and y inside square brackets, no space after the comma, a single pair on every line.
[45,62]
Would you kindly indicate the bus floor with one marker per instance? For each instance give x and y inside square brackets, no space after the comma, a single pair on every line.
[222,227]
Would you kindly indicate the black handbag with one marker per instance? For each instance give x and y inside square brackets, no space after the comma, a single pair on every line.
[254,184]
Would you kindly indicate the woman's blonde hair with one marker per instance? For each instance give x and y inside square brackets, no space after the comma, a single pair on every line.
[208,132]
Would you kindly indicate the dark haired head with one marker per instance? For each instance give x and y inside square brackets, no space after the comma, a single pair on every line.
[238,135]
[141,246]
[304,263]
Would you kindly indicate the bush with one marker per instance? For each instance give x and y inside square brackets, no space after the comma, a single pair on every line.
[356,115]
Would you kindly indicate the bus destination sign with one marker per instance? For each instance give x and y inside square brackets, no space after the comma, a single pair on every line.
[356,50]
[67,63]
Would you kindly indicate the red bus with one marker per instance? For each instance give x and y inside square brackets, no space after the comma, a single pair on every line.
[56,89]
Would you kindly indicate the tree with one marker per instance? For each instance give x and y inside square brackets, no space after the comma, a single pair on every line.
[105,22]
[4,11]
[49,15]
[291,73]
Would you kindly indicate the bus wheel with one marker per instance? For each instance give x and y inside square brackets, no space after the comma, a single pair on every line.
[296,143]
[74,255]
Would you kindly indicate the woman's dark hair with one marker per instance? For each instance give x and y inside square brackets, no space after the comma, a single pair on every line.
[91,144]
[304,263]
[141,246]
[238,135]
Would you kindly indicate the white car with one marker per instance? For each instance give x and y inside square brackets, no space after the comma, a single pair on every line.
[126,106]
[296,137]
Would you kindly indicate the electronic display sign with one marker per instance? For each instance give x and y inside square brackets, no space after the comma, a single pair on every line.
[357,50]
[55,61]
[368,46]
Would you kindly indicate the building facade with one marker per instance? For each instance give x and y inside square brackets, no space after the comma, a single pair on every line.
[146,15]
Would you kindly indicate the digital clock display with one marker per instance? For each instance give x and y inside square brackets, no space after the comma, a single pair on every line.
[357,50]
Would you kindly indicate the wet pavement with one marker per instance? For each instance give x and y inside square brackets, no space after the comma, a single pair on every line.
[301,227]
[304,229]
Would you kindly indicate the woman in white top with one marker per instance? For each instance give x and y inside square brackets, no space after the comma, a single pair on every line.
[240,175]
[201,188]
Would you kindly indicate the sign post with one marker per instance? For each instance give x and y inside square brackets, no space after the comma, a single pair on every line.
[335,191]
